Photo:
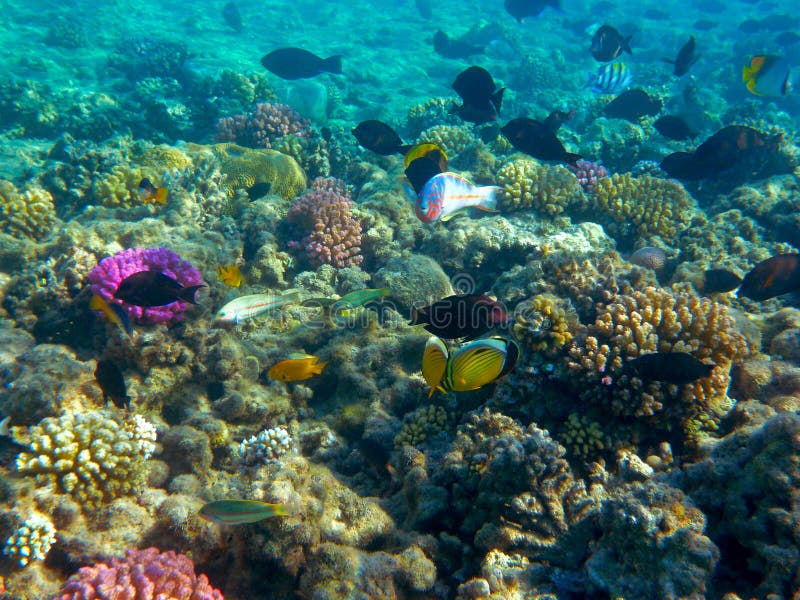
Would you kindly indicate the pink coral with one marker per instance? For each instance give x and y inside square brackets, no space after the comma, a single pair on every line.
[588,172]
[141,575]
[106,277]
[333,236]
[262,126]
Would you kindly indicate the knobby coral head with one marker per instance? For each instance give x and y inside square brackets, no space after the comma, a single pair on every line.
[107,275]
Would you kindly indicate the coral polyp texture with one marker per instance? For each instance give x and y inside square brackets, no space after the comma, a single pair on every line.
[141,575]
[29,213]
[109,273]
[453,139]
[323,215]
[90,456]
[31,540]
[262,126]
[246,169]
[266,447]
[588,173]
[547,190]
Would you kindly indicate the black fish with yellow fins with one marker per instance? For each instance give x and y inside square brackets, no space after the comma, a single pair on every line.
[424,162]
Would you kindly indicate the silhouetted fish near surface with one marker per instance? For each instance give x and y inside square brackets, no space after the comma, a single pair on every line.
[685,59]
[787,38]
[112,383]
[557,118]
[537,140]
[520,9]
[481,97]
[607,43]
[296,63]
[673,127]
[379,137]
[719,281]
[448,47]
[772,277]
[153,288]
[655,14]
[632,105]
[672,367]
[232,17]
[460,316]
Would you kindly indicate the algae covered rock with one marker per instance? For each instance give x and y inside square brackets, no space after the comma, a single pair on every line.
[414,280]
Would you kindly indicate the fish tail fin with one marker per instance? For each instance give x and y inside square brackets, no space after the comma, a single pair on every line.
[187,293]
[281,510]
[97,303]
[122,319]
[488,200]
[160,195]
[747,73]
[626,44]
[497,98]
[751,87]
[333,64]
[316,369]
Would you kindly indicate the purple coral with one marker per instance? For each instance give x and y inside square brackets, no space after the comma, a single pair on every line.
[262,126]
[333,236]
[106,277]
[141,575]
[588,172]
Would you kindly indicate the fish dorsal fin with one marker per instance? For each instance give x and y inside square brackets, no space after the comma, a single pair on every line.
[301,356]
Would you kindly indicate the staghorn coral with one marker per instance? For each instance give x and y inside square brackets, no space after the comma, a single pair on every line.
[141,575]
[546,189]
[642,207]
[88,455]
[261,127]
[545,323]
[331,234]
[244,168]
[453,139]
[31,541]
[29,213]
[107,275]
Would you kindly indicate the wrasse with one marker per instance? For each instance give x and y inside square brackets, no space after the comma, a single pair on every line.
[358,298]
[448,193]
[240,512]
[247,307]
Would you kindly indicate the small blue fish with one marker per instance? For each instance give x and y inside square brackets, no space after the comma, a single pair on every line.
[610,79]
[449,193]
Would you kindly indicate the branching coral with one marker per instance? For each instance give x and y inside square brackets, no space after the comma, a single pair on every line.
[29,213]
[262,126]
[266,447]
[546,189]
[31,540]
[545,323]
[423,423]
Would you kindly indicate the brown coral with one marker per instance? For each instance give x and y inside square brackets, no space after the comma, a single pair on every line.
[548,190]
[29,213]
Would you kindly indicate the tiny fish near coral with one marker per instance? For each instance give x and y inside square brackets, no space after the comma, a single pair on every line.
[230,275]
[298,367]
[247,307]
[240,512]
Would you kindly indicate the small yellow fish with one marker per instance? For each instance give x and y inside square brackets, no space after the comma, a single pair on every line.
[239,512]
[230,275]
[113,312]
[296,368]
[150,193]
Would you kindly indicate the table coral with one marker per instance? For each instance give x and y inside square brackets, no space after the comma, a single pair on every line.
[141,575]
[244,168]
[29,213]
[88,455]
[331,235]
[261,127]
[548,190]
[106,277]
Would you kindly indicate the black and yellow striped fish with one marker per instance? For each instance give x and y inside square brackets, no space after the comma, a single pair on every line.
[470,367]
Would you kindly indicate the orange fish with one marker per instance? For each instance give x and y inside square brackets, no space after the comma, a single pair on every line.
[150,193]
[296,368]
[230,275]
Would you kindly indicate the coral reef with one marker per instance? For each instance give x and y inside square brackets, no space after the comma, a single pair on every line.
[261,127]
[588,173]
[331,235]
[245,169]
[545,323]
[141,574]
[107,275]
[548,190]
[29,213]
[452,139]
[420,425]
[31,541]
[266,447]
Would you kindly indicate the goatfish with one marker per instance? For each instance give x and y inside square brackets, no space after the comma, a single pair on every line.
[150,193]
[447,194]
[230,275]
[297,367]
[768,75]
[247,307]
[113,312]
[470,367]
[240,512]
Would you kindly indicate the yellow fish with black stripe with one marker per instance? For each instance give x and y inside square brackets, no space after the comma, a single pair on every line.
[469,367]
[768,75]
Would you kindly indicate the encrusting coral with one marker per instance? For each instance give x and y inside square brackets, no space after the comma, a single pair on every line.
[244,168]
[29,213]
[528,184]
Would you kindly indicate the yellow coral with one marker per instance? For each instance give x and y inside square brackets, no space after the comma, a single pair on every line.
[119,187]
[453,139]
[425,422]
[582,437]
[245,167]
[548,190]
[545,323]
[643,206]
[30,213]
[163,158]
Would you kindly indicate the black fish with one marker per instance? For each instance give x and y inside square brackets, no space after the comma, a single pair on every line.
[777,22]
[536,139]
[232,17]
[557,118]
[519,9]
[461,316]
[481,97]
[607,43]
[421,170]
[684,166]
[719,281]
[112,383]
[673,127]
[787,38]
[450,48]
[772,277]
[672,367]
[685,59]
[296,63]
[258,190]
[379,137]
[632,105]
[153,288]
[705,25]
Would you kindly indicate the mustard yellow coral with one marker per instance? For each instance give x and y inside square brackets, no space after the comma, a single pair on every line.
[545,323]
[163,158]
[424,422]
[549,190]
[453,139]
[644,207]
[119,187]
[29,213]
[245,167]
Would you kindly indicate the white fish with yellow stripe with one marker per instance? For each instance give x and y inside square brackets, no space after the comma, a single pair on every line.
[247,307]
[449,193]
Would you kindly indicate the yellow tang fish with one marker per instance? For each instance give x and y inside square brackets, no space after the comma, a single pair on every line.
[470,367]
[230,275]
[296,368]
[239,512]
